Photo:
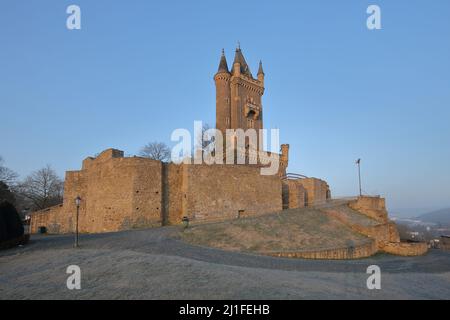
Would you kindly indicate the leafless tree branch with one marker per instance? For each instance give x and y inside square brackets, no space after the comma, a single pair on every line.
[43,188]
[7,176]
[156,151]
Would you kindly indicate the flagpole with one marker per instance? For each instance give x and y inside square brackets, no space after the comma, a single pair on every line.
[359,176]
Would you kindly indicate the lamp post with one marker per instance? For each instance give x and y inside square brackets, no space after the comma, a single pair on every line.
[358,162]
[77,202]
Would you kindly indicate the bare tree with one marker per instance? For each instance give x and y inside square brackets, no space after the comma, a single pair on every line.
[156,151]
[7,176]
[43,188]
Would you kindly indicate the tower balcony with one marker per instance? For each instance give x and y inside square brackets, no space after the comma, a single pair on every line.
[252,110]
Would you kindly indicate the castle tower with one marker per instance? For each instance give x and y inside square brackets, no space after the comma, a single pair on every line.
[223,95]
[238,95]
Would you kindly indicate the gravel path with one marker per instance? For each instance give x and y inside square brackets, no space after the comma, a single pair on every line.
[154,264]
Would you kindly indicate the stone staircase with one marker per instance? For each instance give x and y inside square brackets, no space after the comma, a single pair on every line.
[368,216]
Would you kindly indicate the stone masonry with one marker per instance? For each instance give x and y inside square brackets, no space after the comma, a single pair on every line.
[305,192]
[122,193]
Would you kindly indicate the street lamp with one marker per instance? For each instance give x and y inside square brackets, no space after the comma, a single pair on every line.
[77,203]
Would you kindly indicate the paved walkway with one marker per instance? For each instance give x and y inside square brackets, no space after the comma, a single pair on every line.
[154,264]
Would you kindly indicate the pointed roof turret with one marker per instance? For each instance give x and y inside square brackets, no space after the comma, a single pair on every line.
[223,65]
[260,70]
[239,58]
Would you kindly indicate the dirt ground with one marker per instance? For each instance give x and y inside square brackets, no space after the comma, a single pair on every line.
[155,264]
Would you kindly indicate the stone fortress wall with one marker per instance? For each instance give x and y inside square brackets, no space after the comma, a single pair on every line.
[304,192]
[123,193]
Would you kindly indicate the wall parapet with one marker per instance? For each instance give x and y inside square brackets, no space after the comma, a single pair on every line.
[372,206]
[343,253]
[405,249]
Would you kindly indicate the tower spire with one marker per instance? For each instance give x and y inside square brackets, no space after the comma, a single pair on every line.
[239,59]
[223,65]
[260,70]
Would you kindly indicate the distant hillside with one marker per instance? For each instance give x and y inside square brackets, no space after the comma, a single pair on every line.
[440,216]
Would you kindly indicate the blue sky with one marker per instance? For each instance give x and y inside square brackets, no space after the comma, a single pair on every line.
[137,70]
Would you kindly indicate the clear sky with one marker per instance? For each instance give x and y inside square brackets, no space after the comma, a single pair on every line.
[137,70]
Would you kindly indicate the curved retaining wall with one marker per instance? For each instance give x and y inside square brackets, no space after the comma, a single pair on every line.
[405,249]
[361,251]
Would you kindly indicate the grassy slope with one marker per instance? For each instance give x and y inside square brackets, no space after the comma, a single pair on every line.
[292,230]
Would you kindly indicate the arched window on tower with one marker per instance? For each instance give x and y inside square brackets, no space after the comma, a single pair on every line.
[251,119]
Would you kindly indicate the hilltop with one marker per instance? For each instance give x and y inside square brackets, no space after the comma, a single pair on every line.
[338,229]
[292,230]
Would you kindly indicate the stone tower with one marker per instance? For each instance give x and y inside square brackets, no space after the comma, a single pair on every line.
[238,95]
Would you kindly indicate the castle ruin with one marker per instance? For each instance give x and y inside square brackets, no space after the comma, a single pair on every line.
[122,193]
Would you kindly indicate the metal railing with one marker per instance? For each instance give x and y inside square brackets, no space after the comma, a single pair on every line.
[293,176]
